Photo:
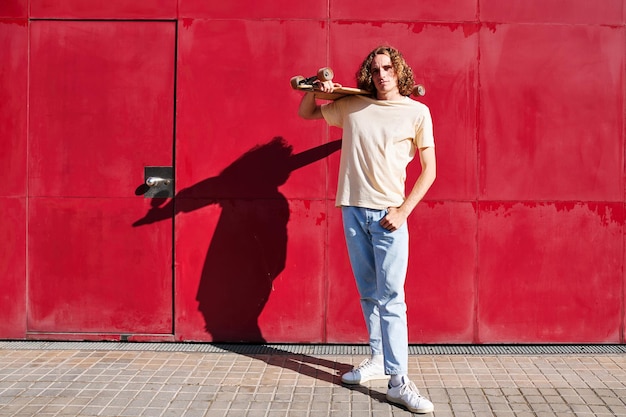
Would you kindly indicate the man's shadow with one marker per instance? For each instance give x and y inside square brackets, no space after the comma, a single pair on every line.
[248,250]
[249,245]
[309,366]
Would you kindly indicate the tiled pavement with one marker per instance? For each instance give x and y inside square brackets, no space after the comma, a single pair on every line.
[110,380]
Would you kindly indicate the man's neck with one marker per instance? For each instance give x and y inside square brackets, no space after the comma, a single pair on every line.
[389,95]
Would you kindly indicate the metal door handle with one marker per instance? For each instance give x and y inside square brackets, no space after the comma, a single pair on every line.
[157,181]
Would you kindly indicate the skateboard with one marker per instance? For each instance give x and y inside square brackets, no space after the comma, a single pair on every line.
[326,74]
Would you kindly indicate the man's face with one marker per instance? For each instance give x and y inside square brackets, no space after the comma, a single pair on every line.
[383,74]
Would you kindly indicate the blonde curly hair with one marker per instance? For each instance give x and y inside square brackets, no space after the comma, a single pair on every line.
[403,71]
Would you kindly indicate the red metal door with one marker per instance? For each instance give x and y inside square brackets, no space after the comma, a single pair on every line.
[101,109]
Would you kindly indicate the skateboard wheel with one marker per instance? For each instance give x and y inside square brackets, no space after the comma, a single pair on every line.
[419,90]
[325,74]
[295,81]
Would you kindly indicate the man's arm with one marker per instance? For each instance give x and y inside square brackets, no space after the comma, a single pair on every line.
[309,109]
[398,215]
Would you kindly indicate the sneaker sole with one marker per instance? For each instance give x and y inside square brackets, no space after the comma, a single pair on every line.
[364,380]
[413,410]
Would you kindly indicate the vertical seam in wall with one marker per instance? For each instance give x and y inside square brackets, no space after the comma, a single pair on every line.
[623,295]
[174,112]
[326,267]
[27,189]
[476,330]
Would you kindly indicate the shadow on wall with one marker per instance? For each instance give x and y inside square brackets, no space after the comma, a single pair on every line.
[249,246]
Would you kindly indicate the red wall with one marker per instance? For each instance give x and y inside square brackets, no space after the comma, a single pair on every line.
[520,240]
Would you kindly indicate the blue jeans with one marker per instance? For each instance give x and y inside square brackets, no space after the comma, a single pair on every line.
[379,260]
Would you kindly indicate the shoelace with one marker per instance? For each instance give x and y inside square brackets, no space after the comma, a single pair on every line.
[410,388]
[365,364]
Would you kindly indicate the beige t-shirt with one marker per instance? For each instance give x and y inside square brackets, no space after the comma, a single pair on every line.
[380,138]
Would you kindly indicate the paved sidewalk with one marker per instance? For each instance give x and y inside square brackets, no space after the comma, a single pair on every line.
[87,381]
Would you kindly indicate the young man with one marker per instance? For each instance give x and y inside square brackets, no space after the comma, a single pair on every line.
[381,135]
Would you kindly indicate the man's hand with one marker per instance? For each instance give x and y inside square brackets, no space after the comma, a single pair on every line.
[394,219]
[326,86]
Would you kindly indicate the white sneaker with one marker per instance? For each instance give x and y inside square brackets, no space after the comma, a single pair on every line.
[368,370]
[407,395]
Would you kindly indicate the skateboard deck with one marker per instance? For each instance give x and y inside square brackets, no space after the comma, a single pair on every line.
[308,84]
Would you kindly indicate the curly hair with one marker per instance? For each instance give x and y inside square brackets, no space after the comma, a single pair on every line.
[403,71]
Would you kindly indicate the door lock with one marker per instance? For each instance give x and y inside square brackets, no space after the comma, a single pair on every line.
[160,182]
